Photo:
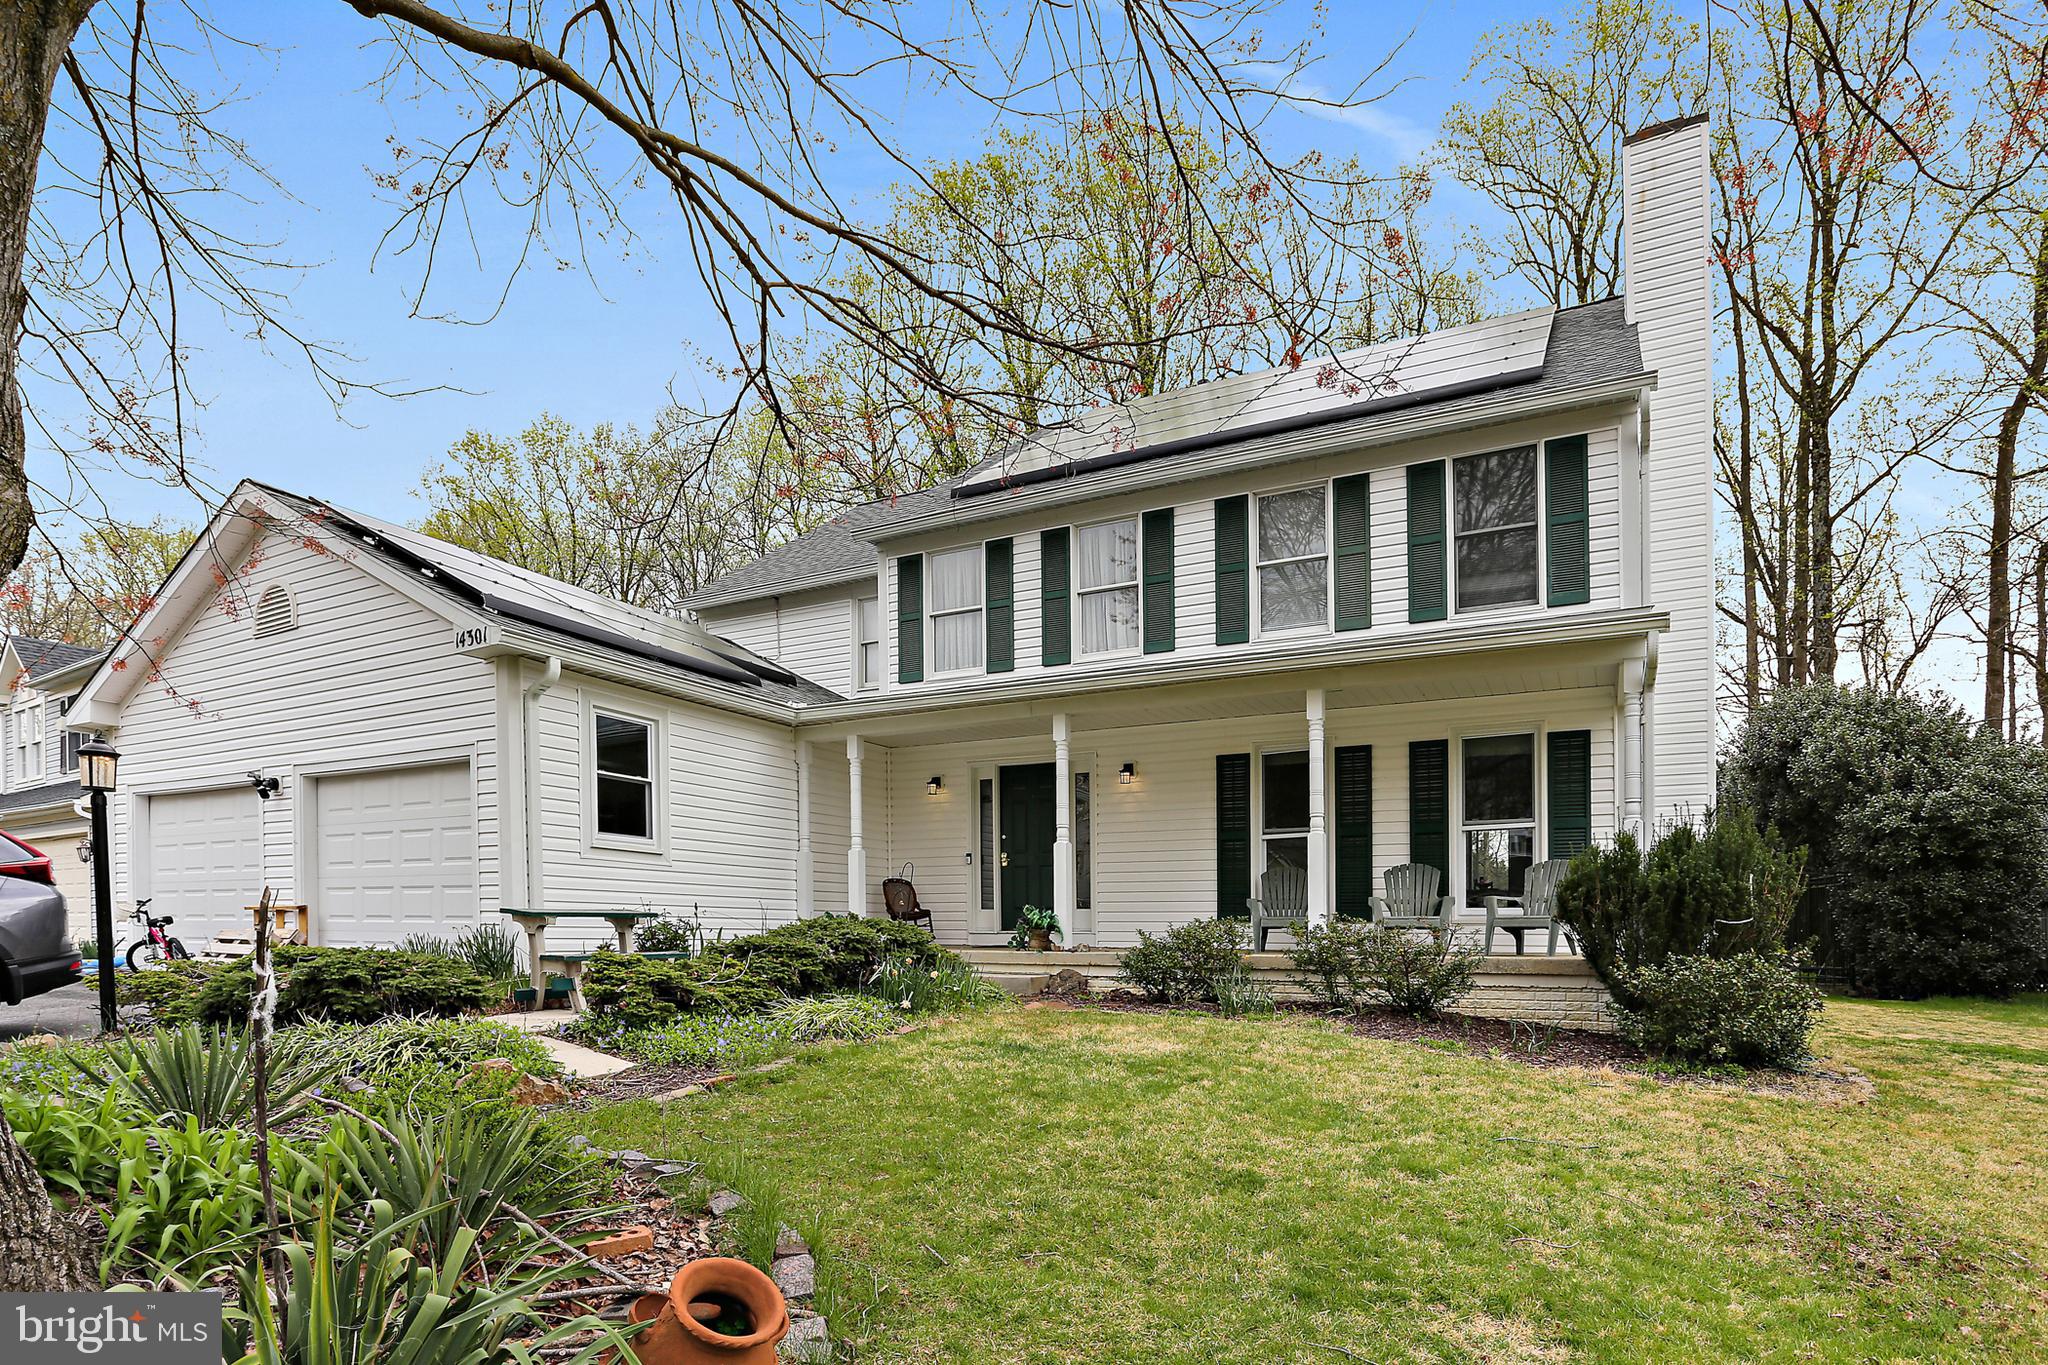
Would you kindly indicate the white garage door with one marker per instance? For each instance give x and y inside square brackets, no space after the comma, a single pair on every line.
[397,854]
[205,861]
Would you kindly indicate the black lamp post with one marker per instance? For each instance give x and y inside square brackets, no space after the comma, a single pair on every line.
[97,764]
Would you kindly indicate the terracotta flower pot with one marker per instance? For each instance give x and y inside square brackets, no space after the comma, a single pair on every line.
[677,1338]
[1041,940]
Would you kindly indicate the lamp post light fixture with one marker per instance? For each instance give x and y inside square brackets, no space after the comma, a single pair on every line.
[98,764]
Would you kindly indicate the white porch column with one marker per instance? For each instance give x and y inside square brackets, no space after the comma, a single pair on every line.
[1318,831]
[1631,688]
[1062,830]
[806,893]
[856,854]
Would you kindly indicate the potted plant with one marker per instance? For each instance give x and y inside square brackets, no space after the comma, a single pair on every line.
[1036,929]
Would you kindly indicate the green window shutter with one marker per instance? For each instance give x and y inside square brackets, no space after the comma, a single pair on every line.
[1570,792]
[1566,544]
[1351,506]
[910,619]
[1429,805]
[1056,607]
[1233,571]
[1233,835]
[1156,531]
[1428,573]
[1354,830]
[998,559]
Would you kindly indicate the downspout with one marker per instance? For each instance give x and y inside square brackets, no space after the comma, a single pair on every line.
[529,711]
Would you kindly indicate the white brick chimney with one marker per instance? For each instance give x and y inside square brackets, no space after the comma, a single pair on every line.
[1666,239]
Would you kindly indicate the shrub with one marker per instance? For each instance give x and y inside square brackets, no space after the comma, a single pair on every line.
[169,992]
[348,984]
[1718,887]
[1747,1009]
[1351,964]
[1928,837]
[829,953]
[1183,963]
[632,992]
[669,934]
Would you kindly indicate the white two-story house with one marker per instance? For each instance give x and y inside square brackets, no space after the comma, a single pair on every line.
[1445,601]
[39,791]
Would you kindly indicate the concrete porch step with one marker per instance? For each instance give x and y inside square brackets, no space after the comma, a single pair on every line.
[1023,985]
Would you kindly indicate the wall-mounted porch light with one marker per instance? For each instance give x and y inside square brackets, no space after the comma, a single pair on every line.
[931,787]
[1126,773]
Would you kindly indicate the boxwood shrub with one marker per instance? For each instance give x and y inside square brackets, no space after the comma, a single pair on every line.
[1183,964]
[1748,1009]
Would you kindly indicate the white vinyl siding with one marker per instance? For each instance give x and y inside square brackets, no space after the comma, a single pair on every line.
[808,633]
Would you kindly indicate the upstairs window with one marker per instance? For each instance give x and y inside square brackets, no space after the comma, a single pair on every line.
[1495,499]
[72,739]
[1106,587]
[955,592]
[624,764]
[28,742]
[1294,565]
[867,644]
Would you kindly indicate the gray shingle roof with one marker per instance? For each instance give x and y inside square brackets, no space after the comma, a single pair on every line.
[42,657]
[1585,345]
[35,798]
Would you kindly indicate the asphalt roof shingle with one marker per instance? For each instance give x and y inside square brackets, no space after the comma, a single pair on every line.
[43,657]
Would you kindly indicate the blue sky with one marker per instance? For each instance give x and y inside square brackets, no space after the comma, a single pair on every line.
[589,352]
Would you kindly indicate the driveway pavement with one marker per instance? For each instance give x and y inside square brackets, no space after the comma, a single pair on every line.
[71,1012]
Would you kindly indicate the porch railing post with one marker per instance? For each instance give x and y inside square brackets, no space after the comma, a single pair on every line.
[1318,830]
[856,853]
[1063,830]
[1631,688]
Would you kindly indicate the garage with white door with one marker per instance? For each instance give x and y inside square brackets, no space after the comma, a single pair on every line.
[395,854]
[205,861]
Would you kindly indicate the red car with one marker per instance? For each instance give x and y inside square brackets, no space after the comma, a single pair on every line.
[35,954]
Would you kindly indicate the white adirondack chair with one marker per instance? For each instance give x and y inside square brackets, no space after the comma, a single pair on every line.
[1412,901]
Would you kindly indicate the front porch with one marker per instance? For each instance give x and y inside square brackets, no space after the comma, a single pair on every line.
[1129,809]
[1559,991]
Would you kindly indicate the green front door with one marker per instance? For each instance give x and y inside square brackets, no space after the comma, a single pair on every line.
[1026,846]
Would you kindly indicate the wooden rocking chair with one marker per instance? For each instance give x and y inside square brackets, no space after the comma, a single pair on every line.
[899,899]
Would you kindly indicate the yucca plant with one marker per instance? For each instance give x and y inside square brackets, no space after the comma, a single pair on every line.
[206,1073]
[362,1289]
[491,950]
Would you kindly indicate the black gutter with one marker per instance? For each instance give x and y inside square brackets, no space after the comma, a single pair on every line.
[1279,426]
[519,611]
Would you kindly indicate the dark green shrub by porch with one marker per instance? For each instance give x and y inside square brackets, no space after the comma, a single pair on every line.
[1928,837]
[1182,964]
[1350,965]
[1748,1009]
[1714,889]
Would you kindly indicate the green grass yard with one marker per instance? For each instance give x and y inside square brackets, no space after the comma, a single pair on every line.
[1088,1186]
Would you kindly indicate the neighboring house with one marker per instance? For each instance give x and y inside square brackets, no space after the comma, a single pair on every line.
[1447,600]
[39,789]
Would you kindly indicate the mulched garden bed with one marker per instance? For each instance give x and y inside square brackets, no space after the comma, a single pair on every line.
[645,1082]
[1532,1045]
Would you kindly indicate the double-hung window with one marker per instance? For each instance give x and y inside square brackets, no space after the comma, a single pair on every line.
[955,591]
[28,741]
[1500,814]
[1294,562]
[867,643]
[1283,811]
[623,750]
[1495,499]
[1106,587]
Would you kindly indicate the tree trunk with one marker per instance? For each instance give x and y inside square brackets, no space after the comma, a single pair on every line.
[1998,624]
[34,36]
[41,1251]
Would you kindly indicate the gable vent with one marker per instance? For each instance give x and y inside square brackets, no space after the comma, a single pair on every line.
[276,613]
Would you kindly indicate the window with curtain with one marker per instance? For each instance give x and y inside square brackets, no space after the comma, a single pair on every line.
[1283,809]
[1499,774]
[1495,499]
[953,588]
[624,766]
[1294,565]
[1106,587]
[867,627]
[28,741]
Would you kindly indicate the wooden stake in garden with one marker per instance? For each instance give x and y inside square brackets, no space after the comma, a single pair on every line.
[262,1009]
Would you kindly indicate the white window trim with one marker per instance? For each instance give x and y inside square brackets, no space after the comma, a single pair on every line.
[1536,727]
[1451,525]
[874,684]
[979,609]
[1075,592]
[1259,562]
[988,921]
[599,703]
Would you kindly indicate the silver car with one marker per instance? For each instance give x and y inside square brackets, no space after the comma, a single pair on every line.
[35,955]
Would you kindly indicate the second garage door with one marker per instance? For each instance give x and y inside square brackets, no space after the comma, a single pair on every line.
[397,854]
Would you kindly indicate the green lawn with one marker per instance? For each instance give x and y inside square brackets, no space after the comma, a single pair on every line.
[1087,1186]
